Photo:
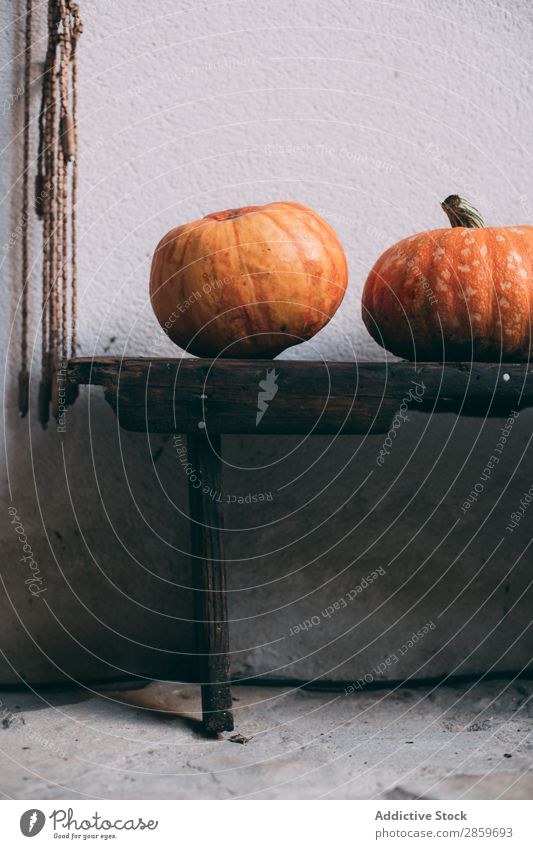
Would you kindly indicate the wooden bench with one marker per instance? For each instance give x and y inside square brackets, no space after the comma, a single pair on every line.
[206,399]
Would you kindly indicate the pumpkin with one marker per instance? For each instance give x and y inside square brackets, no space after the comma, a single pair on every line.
[248,282]
[464,292]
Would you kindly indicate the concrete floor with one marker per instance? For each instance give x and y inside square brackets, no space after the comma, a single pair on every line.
[464,741]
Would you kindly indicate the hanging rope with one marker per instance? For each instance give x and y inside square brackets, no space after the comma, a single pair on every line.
[23,374]
[47,147]
[56,158]
[76,31]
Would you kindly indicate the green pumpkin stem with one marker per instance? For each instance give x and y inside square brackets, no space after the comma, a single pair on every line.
[461,213]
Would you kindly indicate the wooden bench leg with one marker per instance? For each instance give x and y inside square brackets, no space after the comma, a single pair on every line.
[209,570]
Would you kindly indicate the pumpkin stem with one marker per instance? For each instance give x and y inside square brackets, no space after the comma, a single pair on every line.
[461,213]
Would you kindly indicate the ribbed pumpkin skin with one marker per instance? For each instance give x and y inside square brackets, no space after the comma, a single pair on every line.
[248,282]
[454,294]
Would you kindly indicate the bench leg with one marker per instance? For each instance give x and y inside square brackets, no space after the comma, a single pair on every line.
[209,570]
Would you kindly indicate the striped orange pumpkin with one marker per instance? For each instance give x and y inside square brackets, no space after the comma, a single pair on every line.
[248,282]
[460,293]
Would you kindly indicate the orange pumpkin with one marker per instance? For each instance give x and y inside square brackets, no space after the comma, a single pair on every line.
[248,282]
[464,292]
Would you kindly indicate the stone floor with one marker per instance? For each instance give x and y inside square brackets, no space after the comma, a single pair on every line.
[473,740]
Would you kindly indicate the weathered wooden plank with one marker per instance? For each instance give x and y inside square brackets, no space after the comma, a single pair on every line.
[209,571]
[225,396]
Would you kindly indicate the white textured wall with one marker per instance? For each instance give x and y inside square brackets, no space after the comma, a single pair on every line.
[371,113]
